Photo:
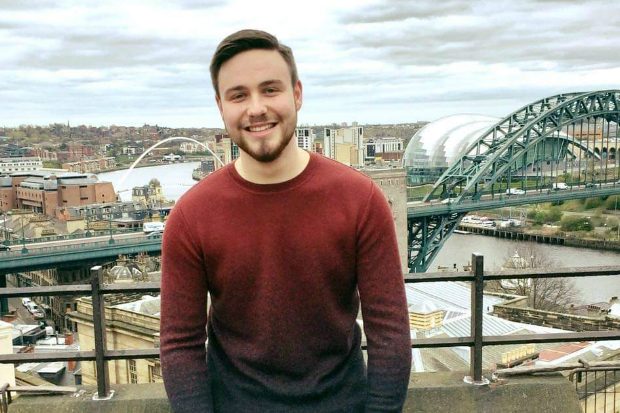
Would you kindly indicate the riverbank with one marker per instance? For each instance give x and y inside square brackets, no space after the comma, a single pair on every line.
[145,165]
[525,234]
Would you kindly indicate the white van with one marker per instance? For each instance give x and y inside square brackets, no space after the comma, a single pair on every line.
[560,186]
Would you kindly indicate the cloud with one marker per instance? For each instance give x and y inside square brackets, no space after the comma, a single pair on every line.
[366,60]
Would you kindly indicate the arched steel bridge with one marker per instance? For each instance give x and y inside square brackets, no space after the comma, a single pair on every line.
[531,149]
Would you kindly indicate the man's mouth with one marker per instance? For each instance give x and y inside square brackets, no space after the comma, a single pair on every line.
[259,128]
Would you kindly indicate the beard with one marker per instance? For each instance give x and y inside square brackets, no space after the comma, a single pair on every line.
[266,152]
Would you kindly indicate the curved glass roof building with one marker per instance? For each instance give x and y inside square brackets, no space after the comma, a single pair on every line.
[439,143]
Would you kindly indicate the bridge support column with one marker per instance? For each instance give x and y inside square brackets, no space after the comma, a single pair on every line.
[4,302]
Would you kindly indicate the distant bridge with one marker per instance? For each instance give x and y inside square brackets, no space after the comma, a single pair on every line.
[531,149]
[86,253]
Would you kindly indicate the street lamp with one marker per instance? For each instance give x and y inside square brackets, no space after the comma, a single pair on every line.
[6,232]
[24,249]
[111,240]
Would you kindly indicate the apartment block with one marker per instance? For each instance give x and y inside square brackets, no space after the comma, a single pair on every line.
[20,164]
[305,138]
[345,145]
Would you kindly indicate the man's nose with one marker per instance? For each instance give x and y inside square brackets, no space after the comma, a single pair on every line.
[256,106]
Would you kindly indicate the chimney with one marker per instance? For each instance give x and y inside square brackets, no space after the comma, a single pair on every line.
[71,364]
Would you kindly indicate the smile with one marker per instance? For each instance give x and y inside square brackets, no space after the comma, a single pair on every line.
[260,128]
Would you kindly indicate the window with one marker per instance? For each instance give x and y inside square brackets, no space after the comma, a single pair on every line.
[132,374]
[155,373]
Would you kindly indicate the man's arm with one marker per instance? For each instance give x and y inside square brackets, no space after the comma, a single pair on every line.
[384,307]
[183,318]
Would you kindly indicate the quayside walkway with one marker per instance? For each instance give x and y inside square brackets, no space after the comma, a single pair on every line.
[518,389]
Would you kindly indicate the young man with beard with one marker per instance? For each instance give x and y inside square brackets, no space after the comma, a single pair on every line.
[288,244]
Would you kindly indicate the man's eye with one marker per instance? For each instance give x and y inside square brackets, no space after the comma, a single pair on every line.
[270,90]
[237,96]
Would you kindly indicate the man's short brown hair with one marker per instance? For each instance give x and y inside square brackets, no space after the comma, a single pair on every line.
[245,40]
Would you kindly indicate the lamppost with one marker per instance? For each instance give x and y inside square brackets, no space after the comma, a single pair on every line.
[24,249]
[5,240]
[111,240]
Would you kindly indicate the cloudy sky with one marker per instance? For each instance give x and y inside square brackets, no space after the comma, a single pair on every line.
[132,62]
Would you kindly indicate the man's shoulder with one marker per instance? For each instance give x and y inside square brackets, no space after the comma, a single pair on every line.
[339,172]
[206,189]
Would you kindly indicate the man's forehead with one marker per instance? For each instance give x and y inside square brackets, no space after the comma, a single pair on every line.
[253,67]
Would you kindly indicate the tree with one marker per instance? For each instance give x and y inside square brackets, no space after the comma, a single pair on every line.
[154,182]
[549,294]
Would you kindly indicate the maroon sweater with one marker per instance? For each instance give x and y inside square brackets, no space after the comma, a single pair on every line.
[287,266]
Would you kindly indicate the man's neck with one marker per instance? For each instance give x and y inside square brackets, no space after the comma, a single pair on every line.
[286,167]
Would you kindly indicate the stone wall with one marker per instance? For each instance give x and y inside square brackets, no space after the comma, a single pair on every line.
[556,320]
[428,393]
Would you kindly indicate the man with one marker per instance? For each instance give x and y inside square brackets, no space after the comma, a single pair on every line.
[287,244]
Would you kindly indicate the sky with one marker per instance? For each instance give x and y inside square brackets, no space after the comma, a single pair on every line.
[374,62]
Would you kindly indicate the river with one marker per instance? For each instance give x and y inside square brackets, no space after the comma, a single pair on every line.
[177,178]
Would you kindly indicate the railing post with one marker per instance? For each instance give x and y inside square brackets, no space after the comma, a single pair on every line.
[477,306]
[101,366]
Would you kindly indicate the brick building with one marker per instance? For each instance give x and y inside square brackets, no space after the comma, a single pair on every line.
[46,193]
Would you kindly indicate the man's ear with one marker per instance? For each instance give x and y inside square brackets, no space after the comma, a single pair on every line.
[298,94]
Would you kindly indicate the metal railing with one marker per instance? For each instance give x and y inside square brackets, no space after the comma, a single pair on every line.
[476,341]
[5,398]
[598,389]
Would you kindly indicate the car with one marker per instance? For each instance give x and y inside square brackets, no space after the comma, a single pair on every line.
[38,314]
[515,191]
[33,308]
[26,301]
[592,185]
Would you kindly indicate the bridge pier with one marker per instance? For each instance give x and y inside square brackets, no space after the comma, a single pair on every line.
[4,302]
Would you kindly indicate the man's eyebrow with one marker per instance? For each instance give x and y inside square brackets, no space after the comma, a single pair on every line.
[271,82]
[234,89]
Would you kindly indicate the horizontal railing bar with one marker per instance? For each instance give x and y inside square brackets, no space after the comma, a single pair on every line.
[442,342]
[75,289]
[438,276]
[131,288]
[87,355]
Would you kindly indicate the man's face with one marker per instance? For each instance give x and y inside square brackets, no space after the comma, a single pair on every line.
[258,103]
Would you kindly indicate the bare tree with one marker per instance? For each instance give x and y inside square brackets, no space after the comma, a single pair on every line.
[551,294]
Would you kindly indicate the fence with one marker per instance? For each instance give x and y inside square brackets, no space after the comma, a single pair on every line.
[476,341]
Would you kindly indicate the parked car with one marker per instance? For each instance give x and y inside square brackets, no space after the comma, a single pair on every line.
[26,301]
[592,185]
[35,310]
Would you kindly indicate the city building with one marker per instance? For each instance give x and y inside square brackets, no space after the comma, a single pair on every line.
[192,147]
[384,149]
[44,154]
[47,193]
[148,195]
[345,145]
[90,165]
[20,164]
[225,149]
[305,138]
[129,325]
